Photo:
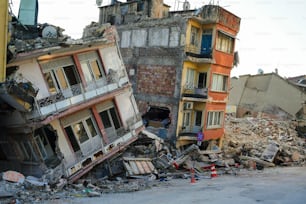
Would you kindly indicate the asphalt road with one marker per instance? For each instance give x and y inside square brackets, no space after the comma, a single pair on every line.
[272,186]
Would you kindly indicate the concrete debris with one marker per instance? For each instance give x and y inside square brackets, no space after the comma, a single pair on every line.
[266,141]
[249,143]
[13,176]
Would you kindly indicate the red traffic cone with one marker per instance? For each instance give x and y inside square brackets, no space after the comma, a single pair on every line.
[213,172]
[192,180]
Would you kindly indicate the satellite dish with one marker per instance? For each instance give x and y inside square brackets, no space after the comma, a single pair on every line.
[186,6]
[49,32]
[99,2]
[260,71]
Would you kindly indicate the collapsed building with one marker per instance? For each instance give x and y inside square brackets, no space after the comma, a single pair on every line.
[65,106]
[179,64]
[267,94]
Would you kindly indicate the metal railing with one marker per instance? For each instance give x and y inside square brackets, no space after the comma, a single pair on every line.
[193,51]
[195,92]
[75,94]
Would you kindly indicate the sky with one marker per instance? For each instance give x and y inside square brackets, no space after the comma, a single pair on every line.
[272,32]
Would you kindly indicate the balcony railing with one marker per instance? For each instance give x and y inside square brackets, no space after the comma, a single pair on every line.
[190,131]
[76,161]
[76,94]
[17,92]
[198,52]
[195,92]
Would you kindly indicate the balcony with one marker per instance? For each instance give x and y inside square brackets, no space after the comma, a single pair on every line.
[19,93]
[198,52]
[75,95]
[197,94]
[76,161]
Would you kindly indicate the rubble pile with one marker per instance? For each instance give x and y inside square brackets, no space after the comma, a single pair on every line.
[269,142]
[249,143]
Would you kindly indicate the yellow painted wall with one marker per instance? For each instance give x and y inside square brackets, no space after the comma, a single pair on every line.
[194,23]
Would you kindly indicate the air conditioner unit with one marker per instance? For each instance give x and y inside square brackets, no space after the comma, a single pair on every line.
[188,105]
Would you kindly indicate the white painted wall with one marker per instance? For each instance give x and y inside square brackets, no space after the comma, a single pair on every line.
[32,72]
[111,59]
[125,106]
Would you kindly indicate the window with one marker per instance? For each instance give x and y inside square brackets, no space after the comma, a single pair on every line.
[186,119]
[202,80]
[112,123]
[61,78]
[80,132]
[91,66]
[74,143]
[60,74]
[219,82]
[215,119]
[194,36]
[225,43]
[190,79]
[198,118]
[27,151]
[110,118]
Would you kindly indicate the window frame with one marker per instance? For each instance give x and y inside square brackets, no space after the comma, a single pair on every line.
[190,78]
[203,83]
[57,85]
[89,135]
[110,117]
[215,119]
[91,57]
[27,156]
[194,36]
[219,82]
[225,43]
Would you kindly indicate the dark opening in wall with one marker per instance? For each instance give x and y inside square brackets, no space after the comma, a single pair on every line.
[157,117]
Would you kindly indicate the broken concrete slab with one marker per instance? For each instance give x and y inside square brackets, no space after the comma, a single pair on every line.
[13,176]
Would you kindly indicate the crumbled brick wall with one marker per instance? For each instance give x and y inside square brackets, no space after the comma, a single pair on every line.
[156,80]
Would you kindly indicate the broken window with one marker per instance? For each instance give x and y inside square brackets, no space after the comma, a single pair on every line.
[60,74]
[91,66]
[111,121]
[110,118]
[74,143]
[27,151]
[219,82]
[215,119]
[194,36]
[81,133]
[225,43]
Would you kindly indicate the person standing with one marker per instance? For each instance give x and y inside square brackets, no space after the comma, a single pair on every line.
[200,137]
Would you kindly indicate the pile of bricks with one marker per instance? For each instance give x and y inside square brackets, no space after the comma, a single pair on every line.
[252,137]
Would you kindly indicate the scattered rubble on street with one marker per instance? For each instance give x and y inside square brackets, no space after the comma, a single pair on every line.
[249,143]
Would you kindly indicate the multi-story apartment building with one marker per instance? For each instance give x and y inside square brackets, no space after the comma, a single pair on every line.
[179,64]
[75,110]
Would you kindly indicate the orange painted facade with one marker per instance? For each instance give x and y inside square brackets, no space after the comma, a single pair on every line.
[224,28]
